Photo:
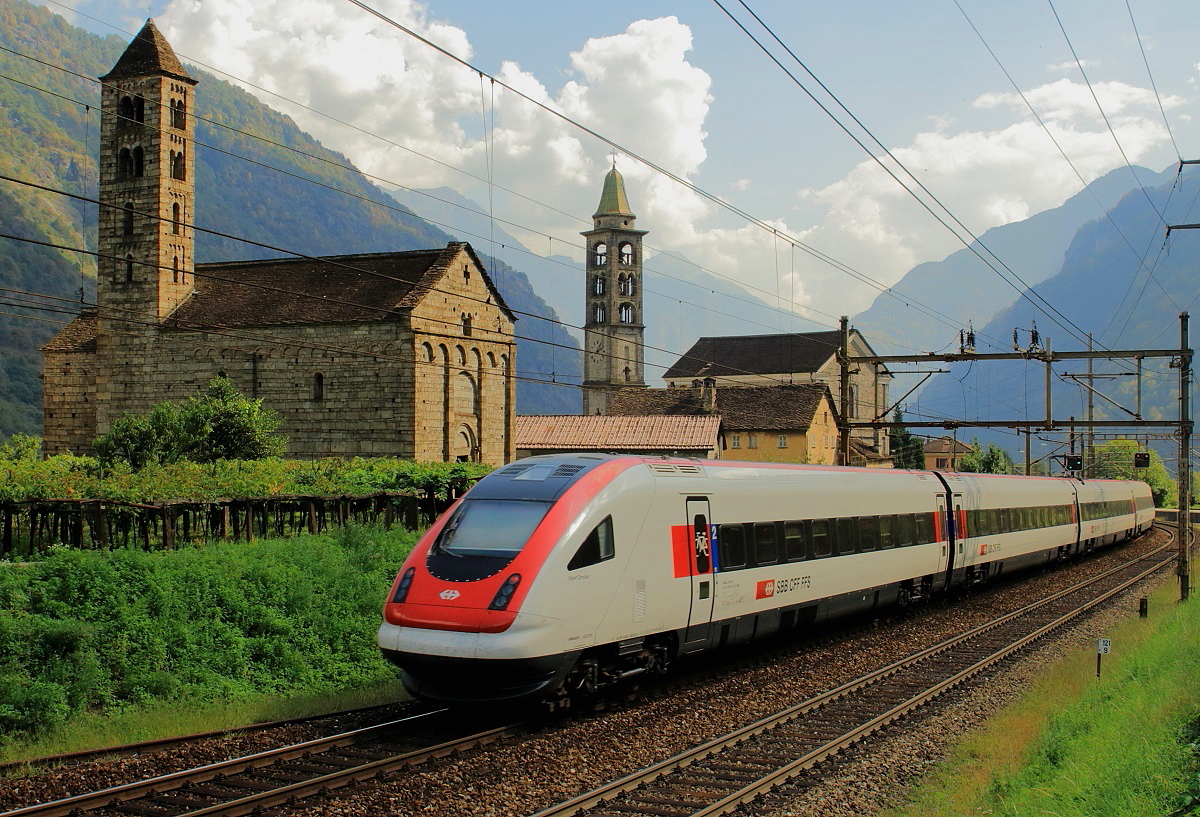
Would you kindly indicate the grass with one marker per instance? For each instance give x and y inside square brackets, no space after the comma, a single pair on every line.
[94,731]
[1075,745]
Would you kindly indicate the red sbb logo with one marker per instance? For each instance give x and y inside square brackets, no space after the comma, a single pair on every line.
[764,589]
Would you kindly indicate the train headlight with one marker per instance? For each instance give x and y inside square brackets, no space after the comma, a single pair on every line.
[505,593]
[402,588]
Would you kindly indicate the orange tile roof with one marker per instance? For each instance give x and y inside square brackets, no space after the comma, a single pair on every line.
[605,433]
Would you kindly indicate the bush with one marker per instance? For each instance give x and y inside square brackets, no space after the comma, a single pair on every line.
[86,631]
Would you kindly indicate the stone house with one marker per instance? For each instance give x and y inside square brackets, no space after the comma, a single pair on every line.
[406,354]
[807,357]
[792,423]
[944,454]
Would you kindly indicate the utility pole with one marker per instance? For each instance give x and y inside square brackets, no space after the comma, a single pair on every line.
[1185,461]
[1089,469]
[844,401]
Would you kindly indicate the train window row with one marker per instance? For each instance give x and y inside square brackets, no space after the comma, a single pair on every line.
[757,544]
[1104,510]
[1143,503]
[991,521]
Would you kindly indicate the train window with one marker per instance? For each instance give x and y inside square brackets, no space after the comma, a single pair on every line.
[887,538]
[766,549]
[596,548]
[731,546]
[482,536]
[924,531]
[905,530]
[1005,519]
[821,542]
[868,533]
[793,541]
[847,535]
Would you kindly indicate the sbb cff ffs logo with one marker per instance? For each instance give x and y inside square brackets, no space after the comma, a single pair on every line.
[764,589]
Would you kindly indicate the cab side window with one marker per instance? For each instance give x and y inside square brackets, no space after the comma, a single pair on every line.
[597,547]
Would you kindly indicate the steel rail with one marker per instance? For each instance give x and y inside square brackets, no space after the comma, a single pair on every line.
[124,749]
[223,770]
[628,784]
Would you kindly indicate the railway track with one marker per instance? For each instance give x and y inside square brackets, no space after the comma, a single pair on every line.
[719,776]
[273,778]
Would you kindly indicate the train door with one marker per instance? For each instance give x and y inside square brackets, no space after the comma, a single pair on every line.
[699,520]
[951,515]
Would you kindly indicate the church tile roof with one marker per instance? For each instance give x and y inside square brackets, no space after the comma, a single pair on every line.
[756,354]
[77,336]
[597,432]
[330,289]
[149,53]
[761,408]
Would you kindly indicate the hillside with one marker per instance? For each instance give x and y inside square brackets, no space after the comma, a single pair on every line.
[253,181]
[1101,288]
[963,288]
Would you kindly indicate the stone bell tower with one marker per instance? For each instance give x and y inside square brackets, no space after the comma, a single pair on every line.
[147,188]
[614,335]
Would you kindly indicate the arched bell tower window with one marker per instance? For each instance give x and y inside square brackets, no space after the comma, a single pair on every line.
[125,109]
[139,161]
[318,385]
[625,313]
[631,284]
[139,108]
[124,164]
[178,114]
[129,268]
[598,313]
[626,254]
[127,219]
[600,255]
[598,285]
[628,374]
[175,218]
[175,269]
[178,170]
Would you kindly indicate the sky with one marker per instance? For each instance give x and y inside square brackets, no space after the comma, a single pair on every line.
[727,160]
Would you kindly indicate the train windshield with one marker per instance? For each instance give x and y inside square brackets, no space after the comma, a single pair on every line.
[482,537]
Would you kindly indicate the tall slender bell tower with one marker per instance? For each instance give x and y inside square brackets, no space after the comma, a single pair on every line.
[147,187]
[614,334]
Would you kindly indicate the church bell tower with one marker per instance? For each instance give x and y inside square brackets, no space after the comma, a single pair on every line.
[614,335]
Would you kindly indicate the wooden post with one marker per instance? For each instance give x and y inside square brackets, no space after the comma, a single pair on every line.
[168,528]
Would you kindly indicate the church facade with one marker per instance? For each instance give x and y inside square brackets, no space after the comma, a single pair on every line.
[407,354]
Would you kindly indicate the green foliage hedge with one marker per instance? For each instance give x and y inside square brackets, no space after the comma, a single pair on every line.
[66,476]
[87,631]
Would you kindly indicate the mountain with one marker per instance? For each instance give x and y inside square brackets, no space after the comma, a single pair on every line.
[681,300]
[1101,287]
[258,177]
[964,289]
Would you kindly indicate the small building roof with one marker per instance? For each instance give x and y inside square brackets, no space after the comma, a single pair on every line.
[77,336]
[946,445]
[756,354]
[149,53]
[766,408]
[594,432]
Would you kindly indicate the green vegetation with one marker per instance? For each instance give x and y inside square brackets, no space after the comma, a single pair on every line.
[67,476]
[1077,746]
[221,425]
[102,633]
[907,451]
[992,460]
[1114,460]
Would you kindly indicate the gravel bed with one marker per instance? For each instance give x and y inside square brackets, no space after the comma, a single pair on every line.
[27,786]
[576,755]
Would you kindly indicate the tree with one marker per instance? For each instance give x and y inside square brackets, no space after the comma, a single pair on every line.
[1114,460]
[907,451]
[221,425]
[993,460]
[20,448]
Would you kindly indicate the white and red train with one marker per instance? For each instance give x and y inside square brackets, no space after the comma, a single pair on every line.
[562,574]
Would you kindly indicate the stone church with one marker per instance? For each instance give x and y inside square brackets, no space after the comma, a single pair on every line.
[406,354]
